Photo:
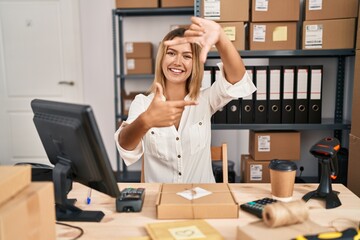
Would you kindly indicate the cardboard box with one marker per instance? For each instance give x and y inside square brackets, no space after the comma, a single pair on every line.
[220,203]
[176,3]
[258,230]
[354,164]
[330,9]
[235,32]
[275,10]
[139,66]
[355,116]
[225,10]
[30,214]
[273,36]
[13,179]
[254,171]
[269,145]
[329,34]
[138,50]
[137,3]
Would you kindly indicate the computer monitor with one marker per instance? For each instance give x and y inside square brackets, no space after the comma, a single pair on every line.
[73,143]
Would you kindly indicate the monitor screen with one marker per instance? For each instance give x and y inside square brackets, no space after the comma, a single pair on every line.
[73,144]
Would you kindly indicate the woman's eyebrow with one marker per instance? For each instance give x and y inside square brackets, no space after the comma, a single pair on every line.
[186,52]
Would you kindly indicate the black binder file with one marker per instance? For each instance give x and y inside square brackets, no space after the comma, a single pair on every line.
[287,95]
[220,116]
[274,104]
[301,94]
[261,95]
[247,103]
[233,112]
[315,94]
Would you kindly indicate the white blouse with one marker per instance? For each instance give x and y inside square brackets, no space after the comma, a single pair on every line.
[183,155]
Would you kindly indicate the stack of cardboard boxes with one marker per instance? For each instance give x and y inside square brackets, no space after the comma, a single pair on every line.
[329,24]
[139,60]
[274,24]
[231,15]
[27,210]
[265,146]
[354,138]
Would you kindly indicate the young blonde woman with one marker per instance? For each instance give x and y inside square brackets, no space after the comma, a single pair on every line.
[171,127]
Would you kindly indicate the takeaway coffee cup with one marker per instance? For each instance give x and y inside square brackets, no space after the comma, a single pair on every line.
[282,178]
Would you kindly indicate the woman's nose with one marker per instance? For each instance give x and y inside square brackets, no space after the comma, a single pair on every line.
[178,59]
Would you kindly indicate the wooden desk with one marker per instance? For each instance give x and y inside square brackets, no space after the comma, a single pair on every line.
[122,225]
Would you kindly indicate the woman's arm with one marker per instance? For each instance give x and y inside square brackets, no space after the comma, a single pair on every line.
[160,113]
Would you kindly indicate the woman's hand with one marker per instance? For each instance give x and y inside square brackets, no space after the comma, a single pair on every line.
[204,32]
[163,113]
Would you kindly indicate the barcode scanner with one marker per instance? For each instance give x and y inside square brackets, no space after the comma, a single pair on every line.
[326,151]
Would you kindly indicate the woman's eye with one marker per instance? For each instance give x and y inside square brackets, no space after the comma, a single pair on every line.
[188,57]
[171,53]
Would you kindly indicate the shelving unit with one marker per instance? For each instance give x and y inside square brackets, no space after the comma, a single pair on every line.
[337,123]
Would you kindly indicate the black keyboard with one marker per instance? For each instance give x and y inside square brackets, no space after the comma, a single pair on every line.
[256,207]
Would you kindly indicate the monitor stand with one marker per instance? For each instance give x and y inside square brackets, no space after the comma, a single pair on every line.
[65,208]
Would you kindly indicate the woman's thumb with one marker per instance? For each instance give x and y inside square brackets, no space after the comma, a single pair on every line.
[159,92]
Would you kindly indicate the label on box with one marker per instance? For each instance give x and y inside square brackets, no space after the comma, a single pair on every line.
[315,5]
[280,34]
[313,36]
[129,47]
[189,232]
[194,193]
[264,143]
[230,32]
[212,9]
[255,172]
[130,63]
[261,5]
[259,33]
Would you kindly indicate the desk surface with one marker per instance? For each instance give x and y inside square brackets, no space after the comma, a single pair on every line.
[122,225]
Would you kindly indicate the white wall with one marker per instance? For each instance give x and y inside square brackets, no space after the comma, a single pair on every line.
[97,52]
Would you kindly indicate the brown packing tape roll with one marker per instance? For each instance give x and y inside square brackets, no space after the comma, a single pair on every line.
[283,214]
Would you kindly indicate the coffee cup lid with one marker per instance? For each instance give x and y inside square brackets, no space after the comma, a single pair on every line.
[282,165]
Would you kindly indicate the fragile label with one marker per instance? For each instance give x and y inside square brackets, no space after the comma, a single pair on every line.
[255,172]
[264,143]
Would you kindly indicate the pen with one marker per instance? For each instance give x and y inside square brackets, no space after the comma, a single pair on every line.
[88,199]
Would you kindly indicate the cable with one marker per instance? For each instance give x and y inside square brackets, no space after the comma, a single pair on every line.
[71,226]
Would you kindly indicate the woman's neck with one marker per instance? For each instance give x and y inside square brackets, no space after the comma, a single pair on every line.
[175,92]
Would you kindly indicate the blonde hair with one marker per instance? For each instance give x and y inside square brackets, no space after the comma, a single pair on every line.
[193,83]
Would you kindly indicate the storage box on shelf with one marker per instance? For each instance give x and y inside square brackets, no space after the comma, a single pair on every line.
[224,11]
[330,9]
[275,11]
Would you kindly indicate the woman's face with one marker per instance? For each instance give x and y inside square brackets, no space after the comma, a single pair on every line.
[177,63]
